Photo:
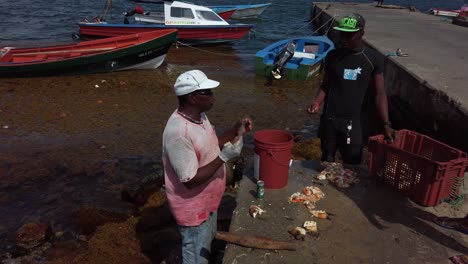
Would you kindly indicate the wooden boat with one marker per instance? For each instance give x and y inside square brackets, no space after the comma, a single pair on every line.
[136,51]
[305,62]
[242,11]
[195,25]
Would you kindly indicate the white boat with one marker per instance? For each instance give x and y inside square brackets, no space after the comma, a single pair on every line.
[195,24]
[181,13]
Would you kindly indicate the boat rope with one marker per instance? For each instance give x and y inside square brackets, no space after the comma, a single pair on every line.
[310,21]
[106,9]
[329,22]
[206,51]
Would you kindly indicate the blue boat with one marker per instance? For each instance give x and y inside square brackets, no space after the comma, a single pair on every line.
[242,11]
[293,59]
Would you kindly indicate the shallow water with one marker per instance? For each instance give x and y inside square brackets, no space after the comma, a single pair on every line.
[70,143]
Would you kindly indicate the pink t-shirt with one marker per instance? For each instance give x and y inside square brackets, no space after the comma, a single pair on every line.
[186,147]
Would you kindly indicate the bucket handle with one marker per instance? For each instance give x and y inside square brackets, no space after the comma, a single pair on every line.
[271,154]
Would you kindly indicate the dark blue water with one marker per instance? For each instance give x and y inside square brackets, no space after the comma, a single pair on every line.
[46,22]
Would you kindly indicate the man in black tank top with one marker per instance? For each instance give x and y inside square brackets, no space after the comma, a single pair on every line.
[349,71]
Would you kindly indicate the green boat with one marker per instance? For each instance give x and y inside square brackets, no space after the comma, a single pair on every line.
[135,51]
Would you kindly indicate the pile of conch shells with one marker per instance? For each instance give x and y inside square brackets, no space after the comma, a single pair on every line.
[335,173]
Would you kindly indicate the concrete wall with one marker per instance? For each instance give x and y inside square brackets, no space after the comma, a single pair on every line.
[413,103]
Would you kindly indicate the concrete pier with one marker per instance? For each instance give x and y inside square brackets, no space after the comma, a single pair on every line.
[427,90]
[372,223]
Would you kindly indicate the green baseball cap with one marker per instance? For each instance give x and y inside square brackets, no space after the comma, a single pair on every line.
[351,23]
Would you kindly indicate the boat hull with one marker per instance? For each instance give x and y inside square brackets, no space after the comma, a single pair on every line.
[243,11]
[186,34]
[445,13]
[305,63]
[460,21]
[146,55]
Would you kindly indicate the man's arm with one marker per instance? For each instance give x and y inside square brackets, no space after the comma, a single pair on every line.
[382,105]
[320,96]
[204,173]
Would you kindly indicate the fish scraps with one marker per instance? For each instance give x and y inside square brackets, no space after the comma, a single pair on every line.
[309,196]
[340,177]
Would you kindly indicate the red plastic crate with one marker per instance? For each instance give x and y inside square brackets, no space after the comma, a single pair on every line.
[424,169]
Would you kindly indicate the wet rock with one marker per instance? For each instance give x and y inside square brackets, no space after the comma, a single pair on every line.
[156,199]
[65,250]
[140,196]
[307,149]
[162,244]
[175,256]
[32,235]
[92,217]
[154,219]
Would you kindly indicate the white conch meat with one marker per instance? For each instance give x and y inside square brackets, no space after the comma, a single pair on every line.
[310,226]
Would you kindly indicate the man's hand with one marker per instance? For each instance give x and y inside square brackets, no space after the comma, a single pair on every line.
[230,150]
[389,134]
[247,124]
[314,108]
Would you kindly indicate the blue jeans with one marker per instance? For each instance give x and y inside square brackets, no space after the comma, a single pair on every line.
[196,241]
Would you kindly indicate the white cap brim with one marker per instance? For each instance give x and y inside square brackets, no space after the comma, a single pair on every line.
[208,84]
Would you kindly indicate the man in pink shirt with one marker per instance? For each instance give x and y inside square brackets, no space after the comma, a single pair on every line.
[194,158]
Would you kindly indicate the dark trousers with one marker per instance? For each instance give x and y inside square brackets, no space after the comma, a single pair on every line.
[333,136]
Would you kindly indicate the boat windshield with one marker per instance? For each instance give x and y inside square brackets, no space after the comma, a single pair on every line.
[208,15]
[181,12]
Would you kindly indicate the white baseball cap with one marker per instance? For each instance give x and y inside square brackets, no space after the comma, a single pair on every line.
[191,81]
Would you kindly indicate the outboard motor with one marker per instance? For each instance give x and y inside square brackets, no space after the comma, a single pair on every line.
[286,53]
[137,10]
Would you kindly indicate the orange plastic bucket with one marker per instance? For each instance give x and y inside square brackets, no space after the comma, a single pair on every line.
[273,150]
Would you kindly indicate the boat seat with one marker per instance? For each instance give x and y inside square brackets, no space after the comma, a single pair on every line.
[298,54]
[293,63]
[41,57]
[20,59]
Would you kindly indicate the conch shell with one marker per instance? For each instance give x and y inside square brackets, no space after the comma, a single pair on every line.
[319,214]
[254,210]
[298,233]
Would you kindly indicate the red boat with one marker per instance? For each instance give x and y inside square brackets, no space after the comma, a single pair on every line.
[136,51]
[226,14]
[195,25]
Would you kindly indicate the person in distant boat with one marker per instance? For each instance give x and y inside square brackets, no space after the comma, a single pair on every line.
[380,2]
[194,163]
[349,71]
